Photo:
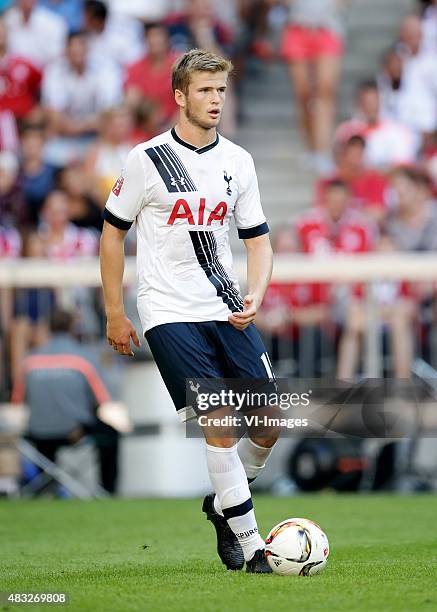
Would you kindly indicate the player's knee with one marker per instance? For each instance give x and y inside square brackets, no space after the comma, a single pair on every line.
[267,439]
[221,441]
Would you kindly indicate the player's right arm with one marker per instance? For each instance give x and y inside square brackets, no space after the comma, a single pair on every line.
[122,208]
[119,329]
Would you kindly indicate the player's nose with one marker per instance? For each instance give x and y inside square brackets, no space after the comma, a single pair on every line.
[215,97]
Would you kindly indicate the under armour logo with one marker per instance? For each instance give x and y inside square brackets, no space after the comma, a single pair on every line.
[181,180]
[194,388]
[228,179]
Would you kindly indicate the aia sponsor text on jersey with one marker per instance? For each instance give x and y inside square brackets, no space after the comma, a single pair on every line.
[182,210]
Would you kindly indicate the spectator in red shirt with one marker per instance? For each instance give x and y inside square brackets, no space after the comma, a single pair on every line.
[336,226]
[297,312]
[20,80]
[368,188]
[396,311]
[62,240]
[150,77]
[413,227]
[286,304]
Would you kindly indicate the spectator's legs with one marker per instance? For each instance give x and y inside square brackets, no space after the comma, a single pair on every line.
[24,336]
[327,74]
[19,343]
[106,439]
[49,447]
[6,308]
[401,337]
[348,351]
[300,74]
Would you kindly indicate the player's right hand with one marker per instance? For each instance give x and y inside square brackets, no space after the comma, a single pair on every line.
[119,332]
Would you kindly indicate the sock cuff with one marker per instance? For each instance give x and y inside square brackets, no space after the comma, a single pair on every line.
[263,448]
[220,449]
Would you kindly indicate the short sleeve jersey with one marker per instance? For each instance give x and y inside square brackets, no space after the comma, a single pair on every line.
[182,200]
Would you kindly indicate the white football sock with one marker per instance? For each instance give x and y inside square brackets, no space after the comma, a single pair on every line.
[230,484]
[253,457]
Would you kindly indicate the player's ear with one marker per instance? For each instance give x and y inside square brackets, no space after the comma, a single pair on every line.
[180,98]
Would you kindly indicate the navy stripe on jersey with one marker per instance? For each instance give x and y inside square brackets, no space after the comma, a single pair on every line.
[219,270]
[253,232]
[177,160]
[205,247]
[171,169]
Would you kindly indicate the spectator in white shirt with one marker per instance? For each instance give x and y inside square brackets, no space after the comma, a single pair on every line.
[34,32]
[388,142]
[417,100]
[75,90]
[429,25]
[140,9]
[119,38]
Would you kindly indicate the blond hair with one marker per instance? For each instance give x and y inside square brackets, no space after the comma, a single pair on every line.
[197,60]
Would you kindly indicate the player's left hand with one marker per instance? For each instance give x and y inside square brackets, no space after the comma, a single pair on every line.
[241,320]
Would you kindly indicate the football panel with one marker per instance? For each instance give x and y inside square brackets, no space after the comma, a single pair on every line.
[282,567]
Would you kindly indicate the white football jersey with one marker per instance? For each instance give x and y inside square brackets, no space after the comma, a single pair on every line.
[182,200]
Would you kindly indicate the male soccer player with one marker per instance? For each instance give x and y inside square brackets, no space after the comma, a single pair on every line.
[182,188]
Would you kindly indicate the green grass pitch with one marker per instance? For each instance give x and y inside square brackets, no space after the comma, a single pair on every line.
[383,555]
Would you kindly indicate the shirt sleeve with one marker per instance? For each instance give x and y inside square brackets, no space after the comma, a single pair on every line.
[248,213]
[128,195]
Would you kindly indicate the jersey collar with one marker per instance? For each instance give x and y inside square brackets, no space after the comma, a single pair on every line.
[192,147]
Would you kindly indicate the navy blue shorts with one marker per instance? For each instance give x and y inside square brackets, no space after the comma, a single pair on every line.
[206,350]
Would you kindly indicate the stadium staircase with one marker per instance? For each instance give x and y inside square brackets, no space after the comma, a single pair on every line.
[269,129]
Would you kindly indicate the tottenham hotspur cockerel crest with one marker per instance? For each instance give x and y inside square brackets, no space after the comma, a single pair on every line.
[228,180]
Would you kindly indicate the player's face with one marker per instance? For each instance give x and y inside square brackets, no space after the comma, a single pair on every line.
[205,99]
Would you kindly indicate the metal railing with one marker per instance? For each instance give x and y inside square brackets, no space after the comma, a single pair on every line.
[339,269]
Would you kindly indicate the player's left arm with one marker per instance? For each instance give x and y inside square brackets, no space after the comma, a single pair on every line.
[254,230]
[259,272]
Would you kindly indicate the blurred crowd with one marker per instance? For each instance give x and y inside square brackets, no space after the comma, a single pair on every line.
[376,192]
[82,81]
